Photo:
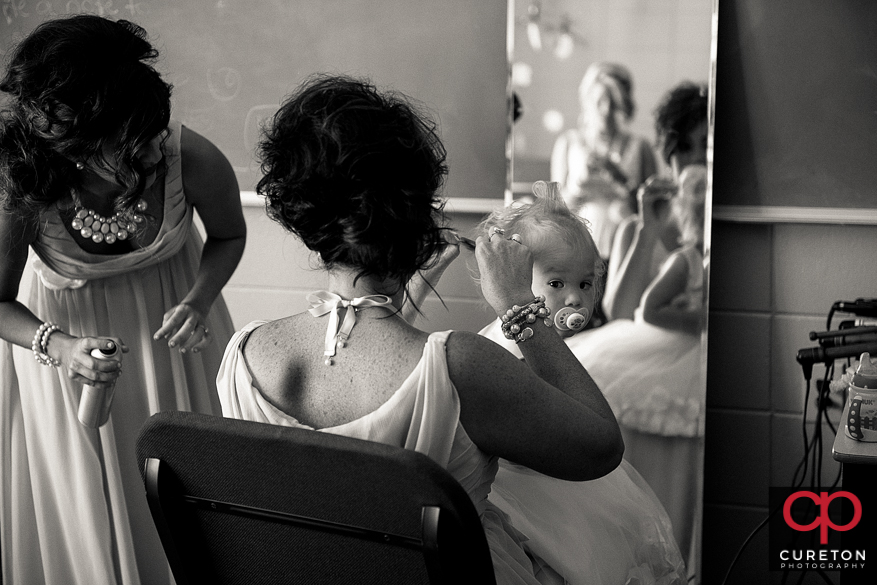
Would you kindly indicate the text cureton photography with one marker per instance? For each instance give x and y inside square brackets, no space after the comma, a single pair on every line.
[822,530]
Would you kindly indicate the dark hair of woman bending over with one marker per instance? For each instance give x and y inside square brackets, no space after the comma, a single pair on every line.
[101,185]
[356,174]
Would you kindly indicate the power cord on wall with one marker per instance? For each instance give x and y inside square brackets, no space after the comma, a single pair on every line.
[812,449]
[860,339]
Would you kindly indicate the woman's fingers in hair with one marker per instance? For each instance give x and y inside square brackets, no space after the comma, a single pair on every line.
[506,269]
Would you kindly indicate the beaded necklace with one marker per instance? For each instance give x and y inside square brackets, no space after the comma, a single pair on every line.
[97,228]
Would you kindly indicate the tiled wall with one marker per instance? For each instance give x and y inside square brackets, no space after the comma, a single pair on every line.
[771,284]
[776,273]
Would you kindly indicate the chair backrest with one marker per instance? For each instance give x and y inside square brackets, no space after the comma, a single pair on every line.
[243,502]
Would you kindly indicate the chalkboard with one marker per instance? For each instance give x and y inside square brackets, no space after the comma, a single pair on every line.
[231,62]
[796,103]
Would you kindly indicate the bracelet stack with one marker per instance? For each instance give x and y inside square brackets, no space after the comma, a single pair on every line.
[40,342]
[516,319]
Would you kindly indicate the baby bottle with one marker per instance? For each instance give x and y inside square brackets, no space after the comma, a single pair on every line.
[861,423]
[94,405]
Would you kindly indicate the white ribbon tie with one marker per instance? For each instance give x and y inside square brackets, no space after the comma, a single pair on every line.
[323,302]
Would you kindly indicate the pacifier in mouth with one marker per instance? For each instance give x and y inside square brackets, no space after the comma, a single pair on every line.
[567,319]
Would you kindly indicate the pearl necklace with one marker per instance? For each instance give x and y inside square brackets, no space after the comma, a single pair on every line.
[119,226]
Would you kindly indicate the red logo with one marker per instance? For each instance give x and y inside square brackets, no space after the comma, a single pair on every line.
[822,501]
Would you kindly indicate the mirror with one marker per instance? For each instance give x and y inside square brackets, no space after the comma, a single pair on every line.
[660,44]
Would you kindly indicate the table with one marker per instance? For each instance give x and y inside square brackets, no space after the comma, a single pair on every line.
[859,462]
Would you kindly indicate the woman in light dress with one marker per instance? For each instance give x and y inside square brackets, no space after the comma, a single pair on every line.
[600,164]
[102,186]
[356,174]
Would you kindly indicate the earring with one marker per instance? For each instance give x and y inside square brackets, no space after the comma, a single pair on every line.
[79,166]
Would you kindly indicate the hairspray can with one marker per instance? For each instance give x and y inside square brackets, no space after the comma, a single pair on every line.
[94,405]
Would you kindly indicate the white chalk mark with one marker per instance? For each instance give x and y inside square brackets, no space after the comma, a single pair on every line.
[229,83]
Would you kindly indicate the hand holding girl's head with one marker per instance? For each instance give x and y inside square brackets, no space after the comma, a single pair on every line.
[82,94]
[355,173]
[566,267]
[654,197]
[688,205]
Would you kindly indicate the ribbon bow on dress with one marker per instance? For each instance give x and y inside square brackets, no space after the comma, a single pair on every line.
[323,302]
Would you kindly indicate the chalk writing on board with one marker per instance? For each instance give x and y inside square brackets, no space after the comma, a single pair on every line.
[20,9]
[13,9]
[136,8]
[200,120]
[176,79]
[99,7]
[224,84]
[45,8]
[253,123]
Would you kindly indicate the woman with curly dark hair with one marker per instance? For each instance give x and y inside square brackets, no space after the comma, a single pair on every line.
[644,240]
[356,174]
[101,184]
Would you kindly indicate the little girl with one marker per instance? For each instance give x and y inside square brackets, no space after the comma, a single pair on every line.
[612,530]
[663,392]
[650,369]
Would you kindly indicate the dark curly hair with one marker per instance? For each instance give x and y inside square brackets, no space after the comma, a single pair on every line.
[680,111]
[355,173]
[78,87]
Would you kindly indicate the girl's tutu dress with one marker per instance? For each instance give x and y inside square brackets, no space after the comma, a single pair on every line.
[654,381]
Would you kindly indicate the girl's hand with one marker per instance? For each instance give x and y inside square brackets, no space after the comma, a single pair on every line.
[80,366]
[654,202]
[506,267]
[184,324]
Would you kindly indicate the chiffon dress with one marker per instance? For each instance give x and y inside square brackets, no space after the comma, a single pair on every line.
[607,531]
[73,509]
[653,380]
[423,415]
[633,155]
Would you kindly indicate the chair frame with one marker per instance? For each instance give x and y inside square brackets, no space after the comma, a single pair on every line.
[171,503]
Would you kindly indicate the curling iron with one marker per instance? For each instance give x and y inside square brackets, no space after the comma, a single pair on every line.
[843,343]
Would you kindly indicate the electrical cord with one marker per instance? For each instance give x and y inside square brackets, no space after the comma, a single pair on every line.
[796,483]
[811,460]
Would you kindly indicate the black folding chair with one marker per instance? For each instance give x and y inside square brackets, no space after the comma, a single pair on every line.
[250,503]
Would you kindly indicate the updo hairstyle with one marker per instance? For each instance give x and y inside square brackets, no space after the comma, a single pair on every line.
[616,78]
[355,173]
[78,87]
[544,222]
[682,109]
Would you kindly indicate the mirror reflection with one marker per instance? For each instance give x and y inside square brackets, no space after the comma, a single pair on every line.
[611,103]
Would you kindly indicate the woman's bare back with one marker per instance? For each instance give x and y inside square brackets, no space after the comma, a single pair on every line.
[286,360]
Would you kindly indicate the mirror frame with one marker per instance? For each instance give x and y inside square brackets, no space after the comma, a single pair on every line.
[694,556]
